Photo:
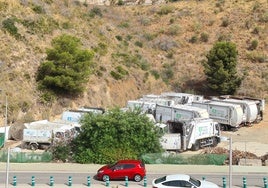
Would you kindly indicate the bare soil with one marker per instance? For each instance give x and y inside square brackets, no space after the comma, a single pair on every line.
[252,139]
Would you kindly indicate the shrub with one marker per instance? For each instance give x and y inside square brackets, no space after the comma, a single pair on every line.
[204,37]
[193,39]
[173,29]
[155,74]
[95,11]
[257,57]
[166,9]
[256,30]
[264,17]
[139,44]
[118,37]
[38,9]
[9,26]
[225,22]
[253,45]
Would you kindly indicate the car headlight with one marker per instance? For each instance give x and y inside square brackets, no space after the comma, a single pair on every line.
[100,171]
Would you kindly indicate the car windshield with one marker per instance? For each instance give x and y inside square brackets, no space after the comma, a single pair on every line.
[195,182]
[159,180]
[112,165]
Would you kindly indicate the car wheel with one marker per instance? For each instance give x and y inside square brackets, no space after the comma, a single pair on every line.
[105,177]
[137,178]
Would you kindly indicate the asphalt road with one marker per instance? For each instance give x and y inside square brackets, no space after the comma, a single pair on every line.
[79,174]
[44,178]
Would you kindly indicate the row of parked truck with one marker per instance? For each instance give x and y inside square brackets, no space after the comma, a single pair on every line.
[193,121]
[188,121]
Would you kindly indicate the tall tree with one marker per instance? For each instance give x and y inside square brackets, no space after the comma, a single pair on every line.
[67,66]
[115,135]
[220,68]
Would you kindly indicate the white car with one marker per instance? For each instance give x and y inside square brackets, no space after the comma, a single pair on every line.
[181,180]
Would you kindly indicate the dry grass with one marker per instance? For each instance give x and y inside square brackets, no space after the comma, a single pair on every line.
[164,32]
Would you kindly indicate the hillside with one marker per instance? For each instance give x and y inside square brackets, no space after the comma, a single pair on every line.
[159,46]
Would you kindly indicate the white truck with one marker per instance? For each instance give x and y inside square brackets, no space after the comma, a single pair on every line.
[249,108]
[230,116]
[42,134]
[164,113]
[181,98]
[190,135]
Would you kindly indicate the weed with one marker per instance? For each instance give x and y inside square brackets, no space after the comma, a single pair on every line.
[193,39]
[225,22]
[164,10]
[155,74]
[257,57]
[173,29]
[95,11]
[253,45]
[204,37]
[139,44]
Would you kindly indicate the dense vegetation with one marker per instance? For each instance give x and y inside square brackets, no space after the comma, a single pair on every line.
[137,50]
[67,67]
[114,135]
[220,68]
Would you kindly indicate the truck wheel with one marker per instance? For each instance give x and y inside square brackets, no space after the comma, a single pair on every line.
[34,146]
[196,146]
[214,142]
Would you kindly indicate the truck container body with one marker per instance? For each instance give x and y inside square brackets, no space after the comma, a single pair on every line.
[178,112]
[229,115]
[145,107]
[249,108]
[182,98]
[191,134]
[259,102]
[157,99]
[41,134]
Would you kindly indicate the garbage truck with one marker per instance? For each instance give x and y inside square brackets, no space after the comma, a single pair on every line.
[190,134]
[178,112]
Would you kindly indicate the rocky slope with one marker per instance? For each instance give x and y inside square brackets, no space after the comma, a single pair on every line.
[166,40]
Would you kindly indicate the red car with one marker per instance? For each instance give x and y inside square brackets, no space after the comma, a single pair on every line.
[133,169]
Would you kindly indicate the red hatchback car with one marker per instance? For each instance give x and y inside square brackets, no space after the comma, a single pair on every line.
[133,169]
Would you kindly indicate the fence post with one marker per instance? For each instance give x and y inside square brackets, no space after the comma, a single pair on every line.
[33,181]
[88,181]
[126,181]
[224,182]
[265,182]
[107,181]
[70,181]
[244,182]
[14,180]
[51,182]
[145,181]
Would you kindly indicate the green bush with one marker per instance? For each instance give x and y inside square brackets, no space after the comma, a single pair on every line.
[166,9]
[253,45]
[173,29]
[118,131]
[66,68]
[155,74]
[9,26]
[220,68]
[204,37]
[38,9]
[225,22]
[139,44]
[95,11]
[193,39]
[118,37]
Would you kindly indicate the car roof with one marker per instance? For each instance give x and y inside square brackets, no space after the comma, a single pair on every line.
[177,176]
[129,161]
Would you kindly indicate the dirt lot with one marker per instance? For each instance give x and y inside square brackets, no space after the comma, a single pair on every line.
[250,139]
